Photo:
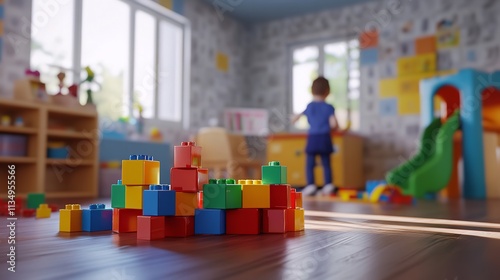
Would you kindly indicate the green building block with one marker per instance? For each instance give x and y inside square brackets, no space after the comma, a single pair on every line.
[221,194]
[274,173]
[118,195]
[33,200]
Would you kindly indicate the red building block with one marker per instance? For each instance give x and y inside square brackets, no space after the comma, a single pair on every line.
[27,213]
[187,155]
[274,221]
[179,226]
[53,208]
[280,196]
[290,219]
[292,198]
[184,179]
[202,178]
[150,227]
[243,221]
[200,200]
[125,220]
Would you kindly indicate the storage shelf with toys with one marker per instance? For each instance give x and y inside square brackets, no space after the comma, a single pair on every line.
[54,149]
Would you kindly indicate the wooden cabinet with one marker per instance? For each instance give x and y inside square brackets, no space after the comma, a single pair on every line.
[76,128]
[347,160]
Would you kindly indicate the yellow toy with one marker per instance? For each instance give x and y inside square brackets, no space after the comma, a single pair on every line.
[255,194]
[70,218]
[43,211]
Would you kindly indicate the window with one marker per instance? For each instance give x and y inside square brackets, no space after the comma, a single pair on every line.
[139,53]
[339,63]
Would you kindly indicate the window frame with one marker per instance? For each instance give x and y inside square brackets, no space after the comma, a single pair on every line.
[160,14]
[320,44]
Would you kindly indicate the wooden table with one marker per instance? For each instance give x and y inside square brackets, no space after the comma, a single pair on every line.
[341,241]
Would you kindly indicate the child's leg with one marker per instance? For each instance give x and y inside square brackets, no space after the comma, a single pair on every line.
[327,168]
[310,163]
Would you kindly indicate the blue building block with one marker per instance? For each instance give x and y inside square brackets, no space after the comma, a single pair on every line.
[159,200]
[96,218]
[209,221]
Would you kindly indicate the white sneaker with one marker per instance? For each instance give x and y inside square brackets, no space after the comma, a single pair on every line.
[327,189]
[309,190]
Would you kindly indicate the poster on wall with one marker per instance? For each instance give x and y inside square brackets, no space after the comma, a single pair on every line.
[2,14]
[448,59]
[448,32]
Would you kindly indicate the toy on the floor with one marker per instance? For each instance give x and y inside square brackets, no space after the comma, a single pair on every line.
[43,211]
[435,166]
[192,204]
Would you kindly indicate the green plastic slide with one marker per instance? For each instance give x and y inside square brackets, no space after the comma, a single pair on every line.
[430,169]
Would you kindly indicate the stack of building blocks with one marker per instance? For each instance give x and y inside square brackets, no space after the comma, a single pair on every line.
[138,173]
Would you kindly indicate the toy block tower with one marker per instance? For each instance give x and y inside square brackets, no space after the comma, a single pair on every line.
[138,173]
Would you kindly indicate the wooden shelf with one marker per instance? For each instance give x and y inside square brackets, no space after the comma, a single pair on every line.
[77,112]
[17,159]
[70,134]
[68,194]
[19,104]
[70,162]
[18,130]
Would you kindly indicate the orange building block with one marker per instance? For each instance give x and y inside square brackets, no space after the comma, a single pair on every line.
[184,179]
[424,45]
[243,221]
[274,220]
[125,220]
[280,196]
[150,228]
[255,194]
[200,200]
[179,226]
[298,200]
[187,155]
[140,172]
[185,203]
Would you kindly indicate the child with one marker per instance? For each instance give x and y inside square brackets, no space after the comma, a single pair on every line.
[321,118]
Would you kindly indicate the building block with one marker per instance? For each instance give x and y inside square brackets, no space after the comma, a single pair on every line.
[184,179]
[33,200]
[274,220]
[70,218]
[53,208]
[125,220]
[158,201]
[209,221]
[43,211]
[200,200]
[202,178]
[222,194]
[118,195]
[133,196]
[299,219]
[280,196]
[254,194]
[185,203]
[274,173]
[187,155]
[179,226]
[140,170]
[290,219]
[28,212]
[298,200]
[97,218]
[292,198]
[243,221]
[150,228]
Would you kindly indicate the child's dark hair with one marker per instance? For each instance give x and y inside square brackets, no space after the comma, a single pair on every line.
[320,86]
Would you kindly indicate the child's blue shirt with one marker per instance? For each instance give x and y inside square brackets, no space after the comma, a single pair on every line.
[318,115]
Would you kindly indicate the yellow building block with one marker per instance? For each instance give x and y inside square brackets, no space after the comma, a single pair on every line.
[140,172]
[255,194]
[43,211]
[70,218]
[133,196]
[299,219]
[185,203]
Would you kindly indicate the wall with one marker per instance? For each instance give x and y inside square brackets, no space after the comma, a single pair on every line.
[16,44]
[391,138]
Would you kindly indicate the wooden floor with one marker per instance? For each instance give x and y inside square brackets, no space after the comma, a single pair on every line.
[341,241]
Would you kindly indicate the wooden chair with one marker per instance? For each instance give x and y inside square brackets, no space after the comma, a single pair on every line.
[226,155]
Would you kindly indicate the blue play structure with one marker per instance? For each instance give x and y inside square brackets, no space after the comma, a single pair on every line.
[477,95]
